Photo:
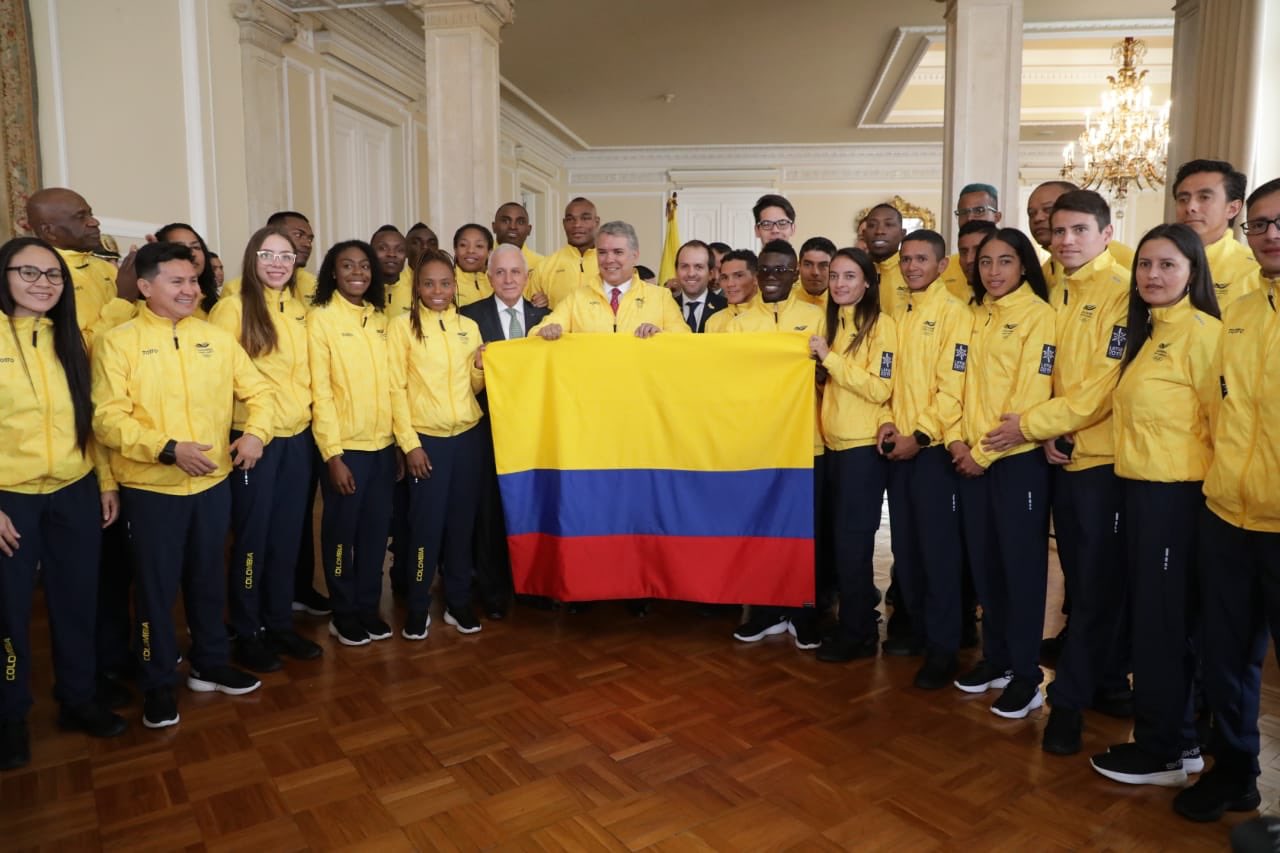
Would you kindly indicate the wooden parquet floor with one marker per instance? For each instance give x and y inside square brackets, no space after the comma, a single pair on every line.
[595,731]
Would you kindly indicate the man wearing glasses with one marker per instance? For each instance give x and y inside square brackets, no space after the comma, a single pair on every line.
[775,218]
[1240,526]
[977,203]
[573,265]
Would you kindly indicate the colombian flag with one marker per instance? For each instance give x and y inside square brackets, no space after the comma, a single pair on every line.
[675,467]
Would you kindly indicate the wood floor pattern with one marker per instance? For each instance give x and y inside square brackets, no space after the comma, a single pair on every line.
[596,731]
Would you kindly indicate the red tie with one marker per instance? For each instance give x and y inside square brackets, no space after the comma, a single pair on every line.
[613,299]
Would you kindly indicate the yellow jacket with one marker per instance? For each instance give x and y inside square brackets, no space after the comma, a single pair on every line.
[957,284]
[893,287]
[1055,275]
[587,310]
[37,421]
[933,350]
[304,284]
[286,367]
[97,307]
[350,379]
[856,394]
[804,296]
[1240,487]
[531,258]
[434,381]
[472,287]
[561,273]
[398,295]
[1162,405]
[1232,266]
[1010,367]
[155,380]
[1091,317]
[719,321]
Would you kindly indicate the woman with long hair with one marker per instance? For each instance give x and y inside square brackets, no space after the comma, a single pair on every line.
[180,232]
[472,244]
[268,503]
[1163,443]
[1004,495]
[857,353]
[351,422]
[436,372]
[52,507]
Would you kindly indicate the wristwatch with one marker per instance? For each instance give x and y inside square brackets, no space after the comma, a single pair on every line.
[169,455]
[922,439]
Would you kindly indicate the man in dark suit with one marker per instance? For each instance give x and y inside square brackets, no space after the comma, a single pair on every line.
[501,317]
[694,263]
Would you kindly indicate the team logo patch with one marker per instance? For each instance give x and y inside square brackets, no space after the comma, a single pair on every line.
[1087,312]
[205,349]
[150,351]
[1008,329]
[886,365]
[1161,353]
[1235,330]
[928,327]
[1115,349]
[961,358]
[1222,286]
[1047,354]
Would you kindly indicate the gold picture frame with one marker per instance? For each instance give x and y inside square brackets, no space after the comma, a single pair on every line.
[913,216]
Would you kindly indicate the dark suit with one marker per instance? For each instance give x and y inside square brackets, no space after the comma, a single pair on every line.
[493,568]
[714,303]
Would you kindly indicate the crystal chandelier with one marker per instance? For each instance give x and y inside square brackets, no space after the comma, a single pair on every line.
[1127,142]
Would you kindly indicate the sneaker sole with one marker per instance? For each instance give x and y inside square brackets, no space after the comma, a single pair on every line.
[800,644]
[1191,766]
[334,632]
[1036,701]
[1165,778]
[449,620]
[299,607]
[199,685]
[373,636]
[777,628]
[160,724]
[994,684]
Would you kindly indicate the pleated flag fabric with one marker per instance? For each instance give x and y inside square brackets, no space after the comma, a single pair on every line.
[675,467]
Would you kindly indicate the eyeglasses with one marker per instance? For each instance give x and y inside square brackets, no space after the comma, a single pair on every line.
[770,224]
[31,274]
[975,211]
[1252,227]
[776,270]
[283,257]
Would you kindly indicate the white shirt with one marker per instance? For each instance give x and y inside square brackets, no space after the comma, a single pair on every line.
[701,299]
[504,319]
[621,288]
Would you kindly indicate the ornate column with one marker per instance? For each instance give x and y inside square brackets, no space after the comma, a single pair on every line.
[983,102]
[462,93]
[264,31]
[1218,77]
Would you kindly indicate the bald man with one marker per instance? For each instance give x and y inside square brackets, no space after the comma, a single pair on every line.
[511,224]
[574,265]
[104,294]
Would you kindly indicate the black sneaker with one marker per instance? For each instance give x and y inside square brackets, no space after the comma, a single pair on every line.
[312,603]
[111,693]
[805,632]
[1260,835]
[93,719]
[983,677]
[1192,760]
[1019,698]
[903,647]
[1128,763]
[1062,732]
[348,630]
[937,672]
[374,626]
[252,653]
[292,644]
[160,708]
[1114,703]
[15,744]
[845,649]
[462,619]
[756,629]
[222,679]
[1216,792]
[416,626]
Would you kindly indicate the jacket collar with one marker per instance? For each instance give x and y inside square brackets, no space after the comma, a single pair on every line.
[1175,313]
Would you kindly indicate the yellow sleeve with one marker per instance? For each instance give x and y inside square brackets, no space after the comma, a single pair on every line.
[1032,385]
[102,466]
[940,420]
[1206,374]
[672,319]
[224,316]
[534,283]
[113,421]
[324,412]
[873,385]
[253,389]
[1091,401]
[398,355]
[561,315]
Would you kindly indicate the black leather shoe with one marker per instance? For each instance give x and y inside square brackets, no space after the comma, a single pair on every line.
[1062,732]
[92,719]
[938,671]
[112,694]
[903,647]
